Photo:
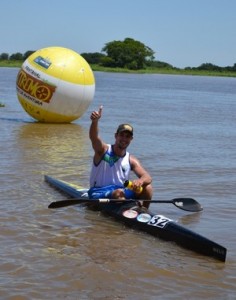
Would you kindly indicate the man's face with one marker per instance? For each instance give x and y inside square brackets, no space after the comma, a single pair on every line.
[123,139]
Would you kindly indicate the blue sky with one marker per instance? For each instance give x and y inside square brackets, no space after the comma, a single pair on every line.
[180,32]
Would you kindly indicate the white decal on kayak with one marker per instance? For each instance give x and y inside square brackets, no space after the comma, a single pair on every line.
[159,221]
[84,195]
[130,213]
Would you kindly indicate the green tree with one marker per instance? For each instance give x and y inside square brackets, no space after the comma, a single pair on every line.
[160,65]
[16,56]
[129,54]
[232,69]
[209,67]
[27,54]
[4,56]
[107,62]
[93,58]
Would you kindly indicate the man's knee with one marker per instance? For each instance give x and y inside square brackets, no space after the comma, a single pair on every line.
[118,194]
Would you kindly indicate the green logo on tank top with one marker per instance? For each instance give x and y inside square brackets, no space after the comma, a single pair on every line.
[110,159]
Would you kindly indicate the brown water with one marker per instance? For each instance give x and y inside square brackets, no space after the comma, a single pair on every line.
[184,135]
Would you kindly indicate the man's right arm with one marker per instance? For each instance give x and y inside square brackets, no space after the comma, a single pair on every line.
[98,145]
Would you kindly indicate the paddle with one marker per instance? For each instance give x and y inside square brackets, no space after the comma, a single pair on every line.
[187,204]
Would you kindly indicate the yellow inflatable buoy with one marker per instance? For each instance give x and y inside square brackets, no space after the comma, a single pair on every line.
[55,85]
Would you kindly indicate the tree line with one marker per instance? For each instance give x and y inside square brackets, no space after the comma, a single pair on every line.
[16,56]
[128,54]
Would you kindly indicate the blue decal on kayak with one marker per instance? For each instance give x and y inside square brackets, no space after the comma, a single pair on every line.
[144,218]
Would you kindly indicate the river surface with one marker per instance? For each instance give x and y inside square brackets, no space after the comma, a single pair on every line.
[184,134]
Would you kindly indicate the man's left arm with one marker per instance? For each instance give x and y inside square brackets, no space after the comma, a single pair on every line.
[144,177]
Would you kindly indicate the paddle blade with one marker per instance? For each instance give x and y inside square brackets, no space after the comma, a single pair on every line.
[63,203]
[187,204]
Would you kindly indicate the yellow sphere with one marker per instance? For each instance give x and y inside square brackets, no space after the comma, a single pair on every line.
[55,85]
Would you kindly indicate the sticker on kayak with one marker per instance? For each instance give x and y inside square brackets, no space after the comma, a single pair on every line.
[159,221]
[130,213]
[144,218]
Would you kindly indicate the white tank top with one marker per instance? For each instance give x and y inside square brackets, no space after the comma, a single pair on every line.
[110,170]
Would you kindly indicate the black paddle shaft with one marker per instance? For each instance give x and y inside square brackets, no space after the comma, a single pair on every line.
[187,204]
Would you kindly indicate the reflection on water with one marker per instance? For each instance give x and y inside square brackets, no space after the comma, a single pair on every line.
[190,218]
[59,149]
[56,146]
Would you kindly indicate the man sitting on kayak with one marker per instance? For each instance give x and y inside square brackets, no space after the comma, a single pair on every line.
[112,165]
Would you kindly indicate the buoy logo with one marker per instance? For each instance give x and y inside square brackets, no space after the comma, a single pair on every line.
[31,87]
[42,62]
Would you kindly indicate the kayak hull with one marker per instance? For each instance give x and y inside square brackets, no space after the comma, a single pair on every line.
[141,219]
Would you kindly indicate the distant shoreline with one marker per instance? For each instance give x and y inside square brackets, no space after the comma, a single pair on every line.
[17,64]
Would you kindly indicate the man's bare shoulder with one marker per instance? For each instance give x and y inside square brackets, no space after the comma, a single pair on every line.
[134,161]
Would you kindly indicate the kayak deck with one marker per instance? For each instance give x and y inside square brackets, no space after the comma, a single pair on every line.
[156,225]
